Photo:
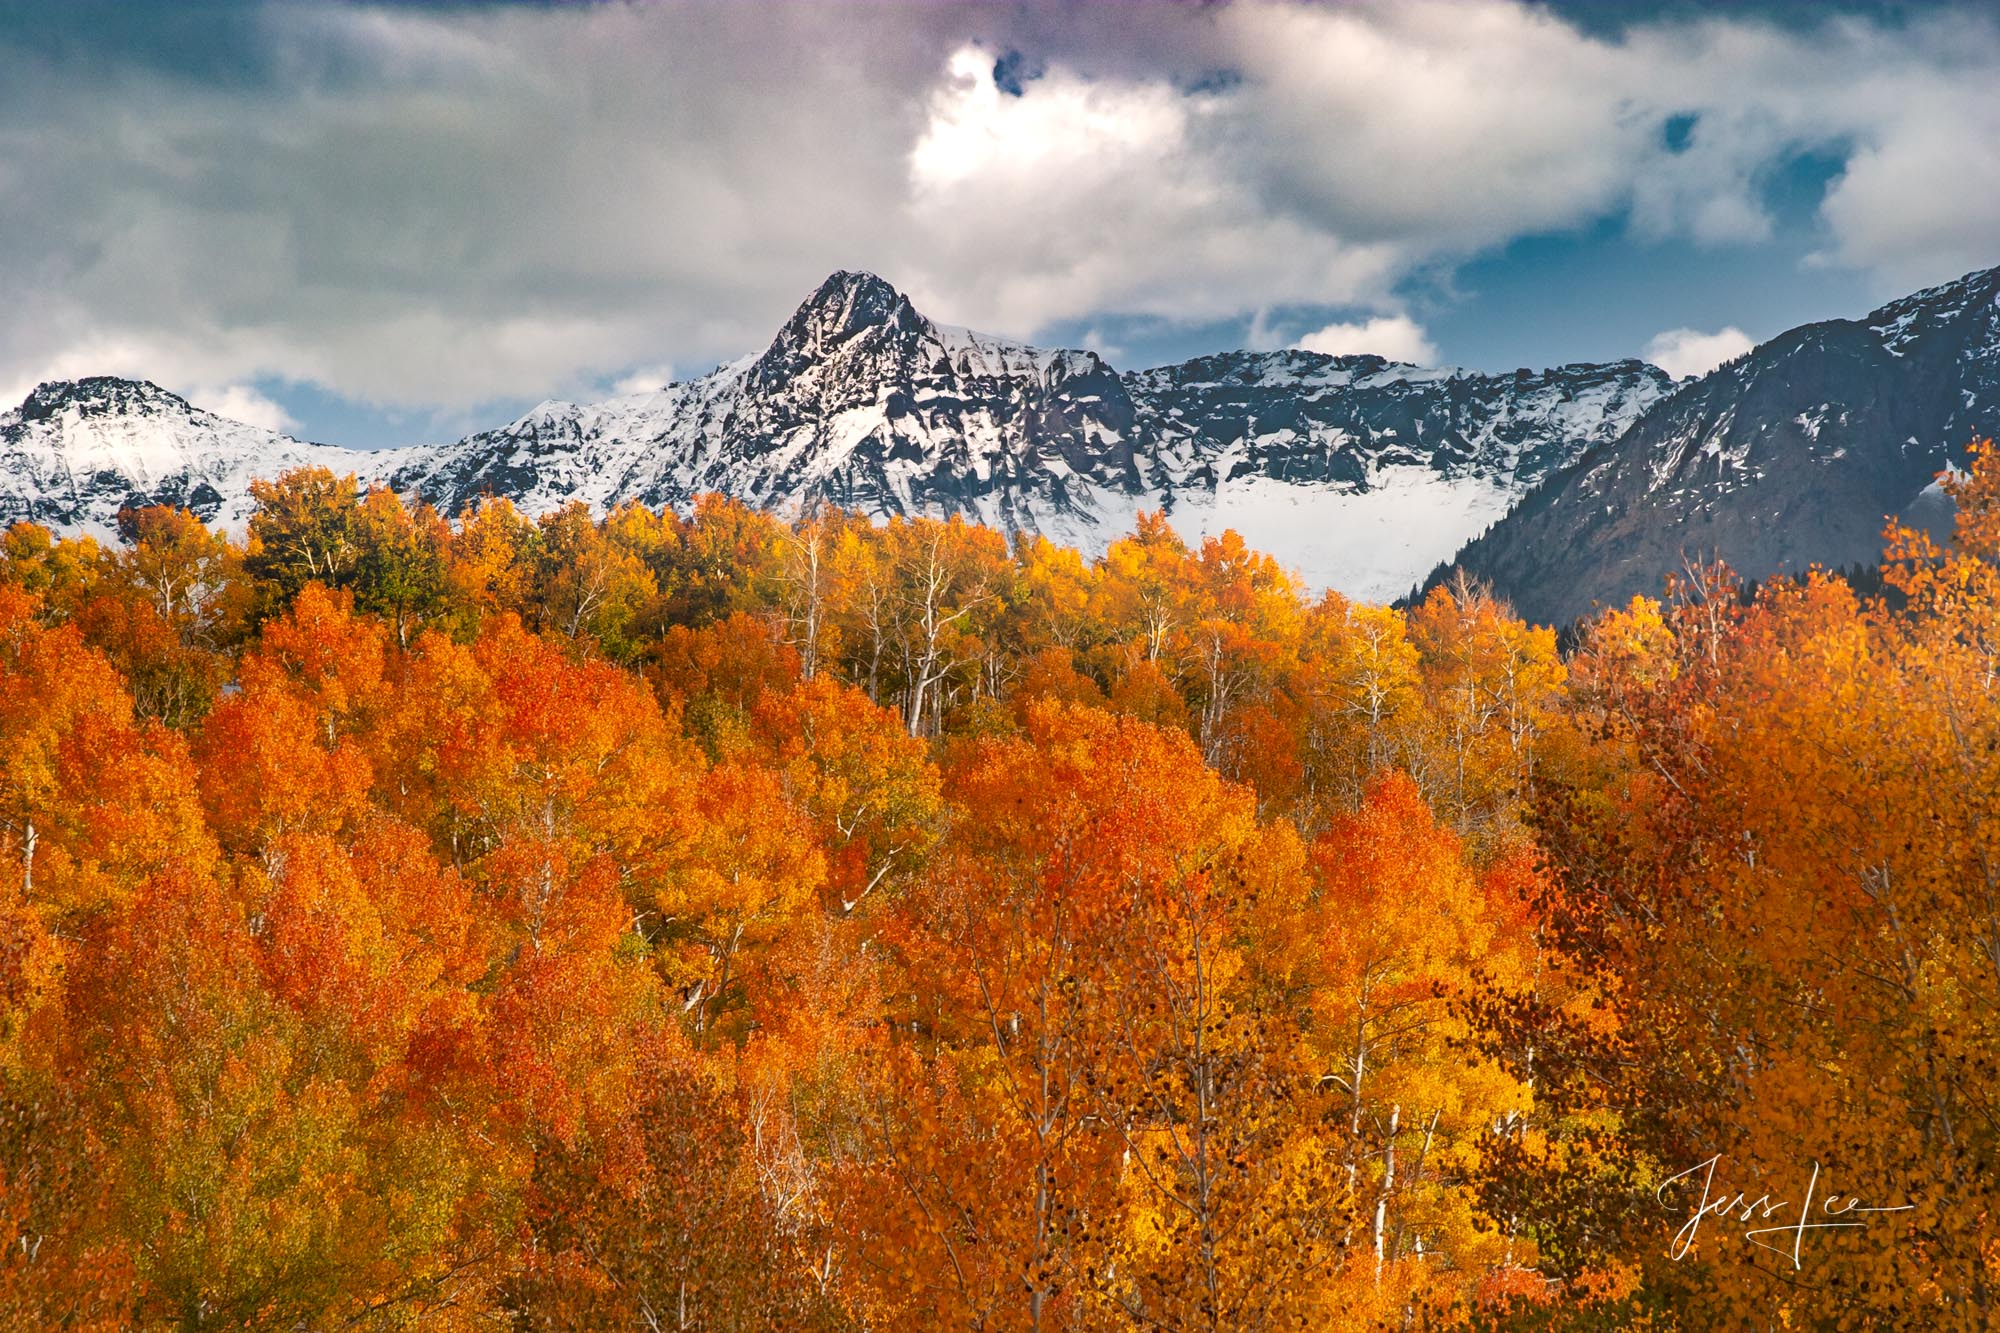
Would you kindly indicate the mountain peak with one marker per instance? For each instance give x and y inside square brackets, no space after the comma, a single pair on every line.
[856,282]
[99,396]
[847,304]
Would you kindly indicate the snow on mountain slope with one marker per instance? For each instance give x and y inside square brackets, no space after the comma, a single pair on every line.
[1357,472]
[75,452]
[1410,518]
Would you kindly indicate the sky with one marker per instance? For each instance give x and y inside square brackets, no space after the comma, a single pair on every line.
[374,224]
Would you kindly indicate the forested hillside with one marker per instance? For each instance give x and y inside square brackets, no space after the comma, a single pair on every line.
[638,921]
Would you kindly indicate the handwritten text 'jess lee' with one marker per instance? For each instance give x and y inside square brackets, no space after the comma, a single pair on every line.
[1786,1238]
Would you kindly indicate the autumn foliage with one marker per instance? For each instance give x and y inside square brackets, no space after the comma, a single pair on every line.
[714,921]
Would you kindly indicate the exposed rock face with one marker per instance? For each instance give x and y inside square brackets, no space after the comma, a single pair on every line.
[1793,454]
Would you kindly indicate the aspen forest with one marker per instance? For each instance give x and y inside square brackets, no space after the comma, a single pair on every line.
[724,921]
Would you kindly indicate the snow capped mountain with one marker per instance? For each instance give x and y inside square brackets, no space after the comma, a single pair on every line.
[77,451]
[1792,454]
[1358,472]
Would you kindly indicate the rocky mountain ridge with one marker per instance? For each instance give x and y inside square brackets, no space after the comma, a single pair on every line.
[1566,487]
[1794,454]
[1359,472]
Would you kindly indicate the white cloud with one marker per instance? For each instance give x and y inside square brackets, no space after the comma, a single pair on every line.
[1395,337]
[1104,194]
[240,402]
[430,207]
[1916,201]
[644,381]
[1684,352]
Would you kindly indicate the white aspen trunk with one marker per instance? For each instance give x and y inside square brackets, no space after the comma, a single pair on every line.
[1388,1184]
